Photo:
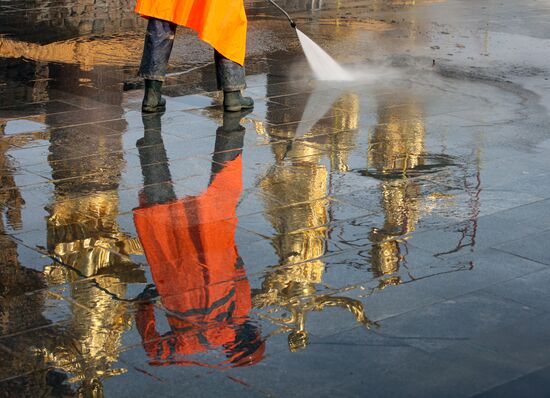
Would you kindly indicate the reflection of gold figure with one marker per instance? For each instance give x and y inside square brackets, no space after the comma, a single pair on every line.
[83,234]
[395,147]
[297,207]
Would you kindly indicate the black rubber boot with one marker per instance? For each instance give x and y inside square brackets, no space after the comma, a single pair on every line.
[152,100]
[233,101]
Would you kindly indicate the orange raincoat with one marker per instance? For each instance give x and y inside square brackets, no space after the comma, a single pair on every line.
[220,23]
[190,247]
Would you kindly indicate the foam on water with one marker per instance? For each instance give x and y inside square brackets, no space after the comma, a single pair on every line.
[323,65]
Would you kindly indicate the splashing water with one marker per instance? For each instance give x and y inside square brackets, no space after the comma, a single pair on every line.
[323,65]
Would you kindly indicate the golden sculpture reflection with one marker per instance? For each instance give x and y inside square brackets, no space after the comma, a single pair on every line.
[395,147]
[296,205]
[93,255]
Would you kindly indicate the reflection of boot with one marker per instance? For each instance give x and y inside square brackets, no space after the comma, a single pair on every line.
[152,128]
[233,101]
[157,181]
[153,101]
[232,121]
[229,140]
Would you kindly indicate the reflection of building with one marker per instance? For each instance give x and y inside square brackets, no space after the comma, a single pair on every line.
[395,148]
[21,296]
[38,21]
[296,205]
[17,75]
[84,236]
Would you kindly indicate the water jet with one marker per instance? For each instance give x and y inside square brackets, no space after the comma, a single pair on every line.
[323,65]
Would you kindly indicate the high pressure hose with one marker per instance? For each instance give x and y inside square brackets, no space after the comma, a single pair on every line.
[292,23]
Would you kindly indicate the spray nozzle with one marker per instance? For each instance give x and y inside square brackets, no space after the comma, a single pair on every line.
[292,23]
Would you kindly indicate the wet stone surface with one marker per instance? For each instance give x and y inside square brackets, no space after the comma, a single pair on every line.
[386,237]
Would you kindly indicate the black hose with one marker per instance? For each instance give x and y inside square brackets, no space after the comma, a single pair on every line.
[292,23]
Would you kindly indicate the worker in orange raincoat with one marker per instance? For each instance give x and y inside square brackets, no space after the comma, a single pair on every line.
[221,23]
[190,246]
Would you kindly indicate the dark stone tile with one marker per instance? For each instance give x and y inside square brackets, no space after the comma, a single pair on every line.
[461,238]
[459,320]
[535,214]
[526,341]
[175,381]
[531,290]
[257,255]
[117,125]
[532,247]
[533,385]
[81,117]
[537,183]
[477,271]
[397,300]
[422,377]
[272,91]
[189,102]
[41,108]
[322,365]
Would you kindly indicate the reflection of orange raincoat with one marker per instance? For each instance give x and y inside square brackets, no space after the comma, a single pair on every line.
[220,23]
[190,247]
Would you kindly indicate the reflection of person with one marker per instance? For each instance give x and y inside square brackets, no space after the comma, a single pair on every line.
[222,24]
[190,247]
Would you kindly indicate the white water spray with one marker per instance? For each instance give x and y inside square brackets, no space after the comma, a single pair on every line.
[323,65]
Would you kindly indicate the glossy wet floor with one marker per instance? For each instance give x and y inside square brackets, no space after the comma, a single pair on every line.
[386,237]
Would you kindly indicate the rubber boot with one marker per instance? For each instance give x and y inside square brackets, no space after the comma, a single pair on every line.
[233,101]
[152,100]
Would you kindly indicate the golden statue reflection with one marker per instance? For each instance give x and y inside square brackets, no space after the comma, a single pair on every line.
[296,204]
[93,255]
[395,147]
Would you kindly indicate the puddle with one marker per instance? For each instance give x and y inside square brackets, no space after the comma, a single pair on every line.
[138,251]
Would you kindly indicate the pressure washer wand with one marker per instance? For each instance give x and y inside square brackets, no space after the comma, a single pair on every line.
[292,23]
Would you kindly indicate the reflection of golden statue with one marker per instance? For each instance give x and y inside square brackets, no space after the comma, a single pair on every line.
[347,124]
[83,234]
[395,147]
[296,205]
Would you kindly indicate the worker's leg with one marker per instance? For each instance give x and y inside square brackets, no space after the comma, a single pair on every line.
[230,77]
[159,41]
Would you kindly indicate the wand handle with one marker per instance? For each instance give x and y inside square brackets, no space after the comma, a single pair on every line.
[292,23]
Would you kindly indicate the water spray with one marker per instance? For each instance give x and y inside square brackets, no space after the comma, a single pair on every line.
[292,23]
[322,64]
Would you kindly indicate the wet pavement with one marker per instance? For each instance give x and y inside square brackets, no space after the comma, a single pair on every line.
[386,237]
